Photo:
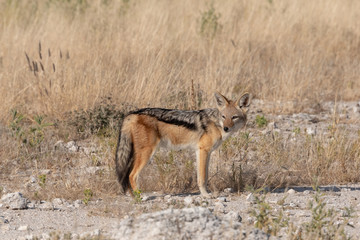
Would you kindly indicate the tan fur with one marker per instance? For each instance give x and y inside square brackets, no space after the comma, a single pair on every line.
[202,130]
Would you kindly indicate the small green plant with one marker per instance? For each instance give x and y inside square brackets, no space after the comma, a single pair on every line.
[36,195]
[124,7]
[16,125]
[67,236]
[266,219]
[246,138]
[88,193]
[209,23]
[322,224]
[137,196]
[297,130]
[261,121]
[32,135]
[42,180]
[237,181]
[36,131]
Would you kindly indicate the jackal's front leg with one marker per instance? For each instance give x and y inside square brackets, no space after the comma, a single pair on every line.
[203,157]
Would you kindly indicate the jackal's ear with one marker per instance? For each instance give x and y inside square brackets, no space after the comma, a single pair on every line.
[221,101]
[244,100]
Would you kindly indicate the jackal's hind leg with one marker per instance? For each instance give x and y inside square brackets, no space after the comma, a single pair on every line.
[141,158]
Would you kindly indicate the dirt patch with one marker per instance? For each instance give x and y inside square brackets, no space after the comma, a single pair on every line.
[106,218]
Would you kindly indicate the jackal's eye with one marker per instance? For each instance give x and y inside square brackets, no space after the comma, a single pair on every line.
[234,117]
[223,116]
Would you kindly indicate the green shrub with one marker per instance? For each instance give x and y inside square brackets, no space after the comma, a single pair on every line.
[209,23]
[261,121]
[98,120]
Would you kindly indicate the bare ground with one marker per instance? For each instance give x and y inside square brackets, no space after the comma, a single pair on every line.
[104,216]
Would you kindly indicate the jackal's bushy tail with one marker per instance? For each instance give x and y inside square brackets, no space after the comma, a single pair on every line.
[124,159]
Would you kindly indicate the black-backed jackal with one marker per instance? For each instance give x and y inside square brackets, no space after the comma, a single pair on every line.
[142,131]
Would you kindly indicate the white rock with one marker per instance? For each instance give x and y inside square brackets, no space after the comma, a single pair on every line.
[96,232]
[59,145]
[219,207]
[23,228]
[233,216]
[57,202]
[356,109]
[168,199]
[291,191]
[311,131]
[198,201]
[14,201]
[250,198]
[77,203]
[204,203]
[46,206]
[32,179]
[73,236]
[44,171]
[188,200]
[228,190]
[31,205]
[293,205]
[222,199]
[72,147]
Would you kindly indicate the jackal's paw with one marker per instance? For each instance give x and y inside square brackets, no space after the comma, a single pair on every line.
[206,195]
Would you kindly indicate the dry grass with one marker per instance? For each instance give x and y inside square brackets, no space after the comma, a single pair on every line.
[147,52]
[260,161]
[175,54]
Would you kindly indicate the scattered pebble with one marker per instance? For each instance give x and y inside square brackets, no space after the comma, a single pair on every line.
[233,216]
[167,197]
[311,131]
[23,228]
[292,204]
[46,206]
[228,190]
[31,205]
[77,203]
[72,146]
[291,191]
[144,198]
[250,198]
[188,200]
[219,207]
[57,202]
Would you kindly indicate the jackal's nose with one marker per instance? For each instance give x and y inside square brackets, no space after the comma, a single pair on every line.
[226,129]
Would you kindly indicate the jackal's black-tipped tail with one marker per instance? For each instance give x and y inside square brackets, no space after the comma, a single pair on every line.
[124,159]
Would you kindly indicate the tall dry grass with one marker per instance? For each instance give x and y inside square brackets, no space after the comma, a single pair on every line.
[148,52]
[60,56]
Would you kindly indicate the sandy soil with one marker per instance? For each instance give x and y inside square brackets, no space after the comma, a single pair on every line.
[104,216]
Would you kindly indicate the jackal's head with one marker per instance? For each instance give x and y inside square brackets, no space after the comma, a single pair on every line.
[232,113]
